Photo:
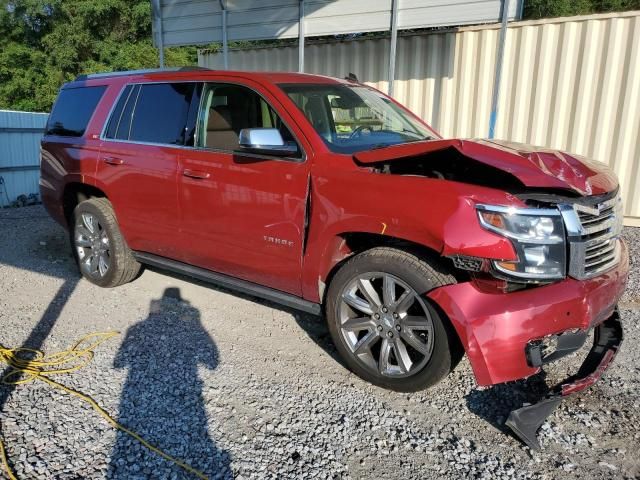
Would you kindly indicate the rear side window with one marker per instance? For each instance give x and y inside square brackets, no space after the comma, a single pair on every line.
[121,118]
[72,111]
[154,113]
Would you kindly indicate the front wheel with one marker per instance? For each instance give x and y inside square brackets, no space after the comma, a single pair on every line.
[100,249]
[382,324]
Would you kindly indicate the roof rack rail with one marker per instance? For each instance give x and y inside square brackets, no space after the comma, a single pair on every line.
[90,76]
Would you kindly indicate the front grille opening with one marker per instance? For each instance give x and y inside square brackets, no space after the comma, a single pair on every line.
[596,250]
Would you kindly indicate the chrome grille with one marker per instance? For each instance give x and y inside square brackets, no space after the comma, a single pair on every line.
[597,222]
[593,230]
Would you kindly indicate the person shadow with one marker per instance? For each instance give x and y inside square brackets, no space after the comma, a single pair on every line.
[162,396]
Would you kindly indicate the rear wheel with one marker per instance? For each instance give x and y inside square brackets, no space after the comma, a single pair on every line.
[101,252]
[382,324]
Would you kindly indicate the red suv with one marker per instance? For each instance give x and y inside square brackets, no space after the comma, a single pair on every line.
[328,196]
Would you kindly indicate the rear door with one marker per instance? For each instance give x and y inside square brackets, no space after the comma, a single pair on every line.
[139,163]
[243,214]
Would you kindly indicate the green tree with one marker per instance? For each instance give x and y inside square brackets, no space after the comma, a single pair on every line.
[564,8]
[44,43]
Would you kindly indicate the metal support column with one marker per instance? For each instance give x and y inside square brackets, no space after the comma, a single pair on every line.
[157,14]
[499,60]
[225,46]
[392,46]
[301,36]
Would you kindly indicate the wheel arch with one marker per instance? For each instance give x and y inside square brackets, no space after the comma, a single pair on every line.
[76,192]
[343,246]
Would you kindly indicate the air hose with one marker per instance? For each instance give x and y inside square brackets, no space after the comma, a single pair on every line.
[40,367]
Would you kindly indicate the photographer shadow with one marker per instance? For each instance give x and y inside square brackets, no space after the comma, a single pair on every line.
[162,397]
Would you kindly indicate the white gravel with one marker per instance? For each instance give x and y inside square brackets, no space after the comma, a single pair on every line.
[244,389]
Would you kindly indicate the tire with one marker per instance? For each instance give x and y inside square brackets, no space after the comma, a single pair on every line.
[104,245]
[360,337]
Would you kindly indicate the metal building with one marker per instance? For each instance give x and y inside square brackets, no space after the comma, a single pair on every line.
[20,134]
[194,22]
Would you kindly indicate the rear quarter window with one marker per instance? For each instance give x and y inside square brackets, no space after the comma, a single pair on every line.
[120,120]
[72,111]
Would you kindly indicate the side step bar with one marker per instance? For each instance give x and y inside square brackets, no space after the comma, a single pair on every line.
[231,283]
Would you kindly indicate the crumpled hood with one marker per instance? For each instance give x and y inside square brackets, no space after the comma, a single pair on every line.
[533,166]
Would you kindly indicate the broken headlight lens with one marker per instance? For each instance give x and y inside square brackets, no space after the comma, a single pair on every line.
[537,236]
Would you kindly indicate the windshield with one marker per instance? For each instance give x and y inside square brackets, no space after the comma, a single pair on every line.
[353,118]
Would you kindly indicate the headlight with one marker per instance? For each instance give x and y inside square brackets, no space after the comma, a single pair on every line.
[537,236]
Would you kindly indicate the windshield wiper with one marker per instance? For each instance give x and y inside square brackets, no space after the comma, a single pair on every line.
[416,135]
[377,146]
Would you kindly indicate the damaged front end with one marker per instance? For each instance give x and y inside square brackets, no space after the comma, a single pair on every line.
[525,421]
[510,167]
[538,269]
[512,335]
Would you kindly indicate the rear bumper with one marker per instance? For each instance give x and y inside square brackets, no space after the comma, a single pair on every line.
[497,329]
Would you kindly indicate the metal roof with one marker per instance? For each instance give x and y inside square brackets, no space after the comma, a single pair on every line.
[192,22]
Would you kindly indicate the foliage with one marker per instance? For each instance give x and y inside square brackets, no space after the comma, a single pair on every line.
[564,8]
[44,43]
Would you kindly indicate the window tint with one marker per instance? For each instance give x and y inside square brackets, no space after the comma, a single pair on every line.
[160,113]
[117,117]
[72,111]
[124,125]
[227,109]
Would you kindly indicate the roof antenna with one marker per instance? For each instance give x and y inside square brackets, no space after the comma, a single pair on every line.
[352,77]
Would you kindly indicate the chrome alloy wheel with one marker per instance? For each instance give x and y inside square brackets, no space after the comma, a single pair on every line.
[386,324]
[92,245]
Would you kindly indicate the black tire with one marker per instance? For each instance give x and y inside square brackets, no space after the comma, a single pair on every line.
[122,267]
[422,276]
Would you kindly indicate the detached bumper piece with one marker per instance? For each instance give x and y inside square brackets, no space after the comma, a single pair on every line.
[526,421]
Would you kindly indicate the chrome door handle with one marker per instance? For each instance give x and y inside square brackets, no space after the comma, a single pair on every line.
[113,160]
[195,173]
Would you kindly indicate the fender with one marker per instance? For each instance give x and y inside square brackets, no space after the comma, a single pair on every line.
[437,214]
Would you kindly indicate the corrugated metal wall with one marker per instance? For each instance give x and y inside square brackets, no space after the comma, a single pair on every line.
[568,83]
[20,134]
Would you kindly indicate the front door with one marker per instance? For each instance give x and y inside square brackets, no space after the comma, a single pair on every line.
[243,214]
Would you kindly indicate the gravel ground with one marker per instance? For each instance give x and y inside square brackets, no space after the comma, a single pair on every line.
[244,389]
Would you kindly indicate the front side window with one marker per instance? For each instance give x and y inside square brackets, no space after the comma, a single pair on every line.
[353,118]
[152,113]
[72,111]
[226,109]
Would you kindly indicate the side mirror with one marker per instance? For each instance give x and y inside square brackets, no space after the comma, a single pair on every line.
[265,141]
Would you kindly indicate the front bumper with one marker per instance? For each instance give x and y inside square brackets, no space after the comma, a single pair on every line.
[497,328]
[525,421]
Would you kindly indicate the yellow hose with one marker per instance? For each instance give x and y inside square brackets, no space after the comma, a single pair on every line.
[41,367]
